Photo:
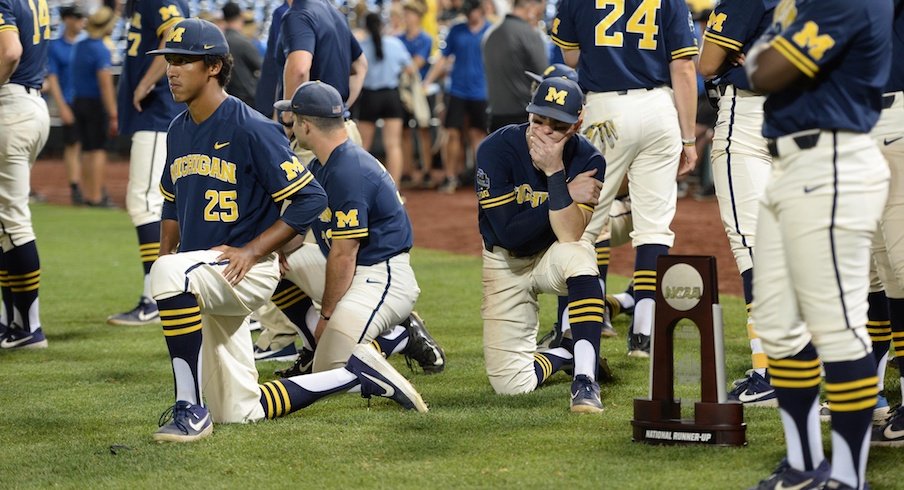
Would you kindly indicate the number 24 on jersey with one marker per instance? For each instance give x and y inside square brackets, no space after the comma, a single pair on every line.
[642,22]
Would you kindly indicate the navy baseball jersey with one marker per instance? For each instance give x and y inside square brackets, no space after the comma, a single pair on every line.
[625,44]
[317,27]
[467,77]
[226,178]
[88,56]
[364,204]
[846,48]
[31,19]
[735,25]
[149,21]
[896,78]
[512,194]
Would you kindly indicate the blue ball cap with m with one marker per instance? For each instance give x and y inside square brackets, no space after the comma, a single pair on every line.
[558,98]
[314,98]
[194,37]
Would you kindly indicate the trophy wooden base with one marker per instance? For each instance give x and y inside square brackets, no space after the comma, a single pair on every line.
[716,424]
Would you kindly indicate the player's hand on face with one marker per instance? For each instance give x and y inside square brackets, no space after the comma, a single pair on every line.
[545,149]
[585,189]
[241,260]
[687,161]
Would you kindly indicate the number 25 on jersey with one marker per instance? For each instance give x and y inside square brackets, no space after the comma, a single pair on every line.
[642,22]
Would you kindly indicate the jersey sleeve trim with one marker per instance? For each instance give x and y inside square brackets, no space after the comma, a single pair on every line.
[586,207]
[166,25]
[167,195]
[564,44]
[798,59]
[685,52]
[493,202]
[293,187]
[725,42]
[9,28]
[349,234]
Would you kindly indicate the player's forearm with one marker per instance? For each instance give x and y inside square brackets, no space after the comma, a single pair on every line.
[340,270]
[684,84]
[271,240]
[517,229]
[155,71]
[356,79]
[296,72]
[571,57]
[568,224]
[169,236]
[436,71]
[713,60]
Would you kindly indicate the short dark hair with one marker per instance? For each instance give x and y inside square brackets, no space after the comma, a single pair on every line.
[225,70]
[71,11]
[324,123]
[522,3]
[230,11]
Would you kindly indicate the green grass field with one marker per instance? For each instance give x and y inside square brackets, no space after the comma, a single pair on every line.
[81,412]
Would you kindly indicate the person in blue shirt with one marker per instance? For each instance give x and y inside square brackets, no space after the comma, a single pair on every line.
[59,85]
[824,66]
[94,101]
[145,109]
[228,173]
[537,184]
[24,39]
[387,58]
[466,104]
[419,45]
[359,272]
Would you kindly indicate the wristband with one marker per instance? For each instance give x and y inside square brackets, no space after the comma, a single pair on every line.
[324,316]
[559,198]
[688,141]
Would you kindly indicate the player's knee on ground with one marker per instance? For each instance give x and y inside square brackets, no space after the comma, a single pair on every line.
[510,373]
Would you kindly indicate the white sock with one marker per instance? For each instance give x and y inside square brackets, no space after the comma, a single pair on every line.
[324,380]
[564,324]
[643,316]
[584,359]
[394,334]
[146,292]
[185,382]
[625,300]
[883,364]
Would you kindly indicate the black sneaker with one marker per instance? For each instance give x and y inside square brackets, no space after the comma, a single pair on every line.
[787,477]
[379,378]
[184,422]
[304,364]
[585,395]
[891,433]
[421,347]
[551,339]
[638,345]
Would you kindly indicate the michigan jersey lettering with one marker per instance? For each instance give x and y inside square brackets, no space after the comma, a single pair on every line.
[198,164]
[525,194]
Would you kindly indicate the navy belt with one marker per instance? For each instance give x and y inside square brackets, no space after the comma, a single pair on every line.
[804,142]
[625,92]
[888,101]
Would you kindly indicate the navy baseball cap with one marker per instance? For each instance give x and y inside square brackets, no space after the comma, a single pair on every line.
[194,37]
[555,70]
[314,98]
[558,98]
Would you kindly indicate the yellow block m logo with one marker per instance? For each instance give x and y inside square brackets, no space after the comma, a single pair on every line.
[344,220]
[816,44]
[292,169]
[168,12]
[557,96]
[176,35]
[716,20]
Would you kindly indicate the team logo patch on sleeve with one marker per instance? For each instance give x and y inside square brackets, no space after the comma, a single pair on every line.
[483,180]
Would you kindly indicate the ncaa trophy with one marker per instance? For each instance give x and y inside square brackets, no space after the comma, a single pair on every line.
[688,289]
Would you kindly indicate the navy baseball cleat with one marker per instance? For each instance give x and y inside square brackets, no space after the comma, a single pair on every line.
[304,364]
[379,378]
[17,338]
[287,353]
[184,422]
[891,433]
[585,395]
[786,477]
[421,347]
[754,391]
[144,314]
[638,345]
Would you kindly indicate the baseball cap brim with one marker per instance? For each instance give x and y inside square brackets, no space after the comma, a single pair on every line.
[551,113]
[534,76]
[186,52]
[283,105]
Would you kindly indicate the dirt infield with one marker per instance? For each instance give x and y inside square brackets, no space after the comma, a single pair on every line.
[449,222]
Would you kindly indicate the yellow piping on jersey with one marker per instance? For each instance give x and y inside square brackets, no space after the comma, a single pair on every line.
[198,164]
